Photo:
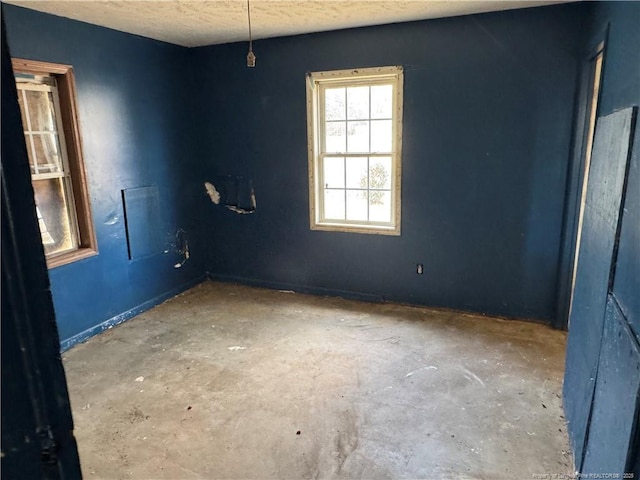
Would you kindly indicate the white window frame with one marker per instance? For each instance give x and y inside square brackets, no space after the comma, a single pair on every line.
[317,82]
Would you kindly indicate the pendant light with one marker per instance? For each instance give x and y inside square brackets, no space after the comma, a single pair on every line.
[251,58]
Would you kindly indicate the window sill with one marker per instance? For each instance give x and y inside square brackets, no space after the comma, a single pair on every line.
[70,257]
[371,230]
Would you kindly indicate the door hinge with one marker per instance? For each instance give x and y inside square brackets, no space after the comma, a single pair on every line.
[48,446]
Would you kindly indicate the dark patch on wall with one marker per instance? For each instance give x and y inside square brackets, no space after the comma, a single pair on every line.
[234,192]
[238,195]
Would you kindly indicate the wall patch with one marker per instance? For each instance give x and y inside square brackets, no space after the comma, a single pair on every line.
[142,221]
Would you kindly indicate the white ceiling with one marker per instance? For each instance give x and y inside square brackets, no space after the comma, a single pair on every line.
[193,23]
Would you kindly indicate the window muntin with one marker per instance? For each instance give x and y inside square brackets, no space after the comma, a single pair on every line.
[46,95]
[355,142]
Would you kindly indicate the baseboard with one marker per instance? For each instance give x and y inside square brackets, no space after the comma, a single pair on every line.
[129,314]
[368,297]
[329,292]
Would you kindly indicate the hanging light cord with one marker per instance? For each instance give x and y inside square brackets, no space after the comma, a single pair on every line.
[249,18]
[251,58]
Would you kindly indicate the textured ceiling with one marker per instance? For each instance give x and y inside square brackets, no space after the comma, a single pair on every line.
[192,23]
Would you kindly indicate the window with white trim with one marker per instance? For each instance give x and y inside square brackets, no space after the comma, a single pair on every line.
[355,135]
[46,95]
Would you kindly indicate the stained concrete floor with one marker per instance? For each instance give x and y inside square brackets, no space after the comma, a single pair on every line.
[227,381]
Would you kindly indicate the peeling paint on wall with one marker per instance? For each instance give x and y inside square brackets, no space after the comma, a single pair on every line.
[182,247]
[214,195]
[112,218]
[233,208]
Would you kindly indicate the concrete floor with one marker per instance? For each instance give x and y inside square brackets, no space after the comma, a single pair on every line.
[227,381]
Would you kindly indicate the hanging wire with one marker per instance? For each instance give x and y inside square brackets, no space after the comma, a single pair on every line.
[251,58]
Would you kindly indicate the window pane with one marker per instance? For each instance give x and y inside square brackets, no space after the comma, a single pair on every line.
[357,137]
[357,172]
[380,173]
[27,140]
[56,224]
[357,103]
[381,101]
[334,204]
[335,133]
[41,111]
[334,99]
[357,205]
[381,134]
[47,150]
[380,206]
[333,172]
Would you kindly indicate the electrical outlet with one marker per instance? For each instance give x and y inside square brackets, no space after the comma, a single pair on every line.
[419,269]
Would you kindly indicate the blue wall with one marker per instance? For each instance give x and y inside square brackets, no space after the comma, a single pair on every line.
[487,129]
[135,126]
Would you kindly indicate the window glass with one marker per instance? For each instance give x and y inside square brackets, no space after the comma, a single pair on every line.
[334,172]
[334,203]
[41,110]
[54,217]
[335,104]
[381,101]
[357,103]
